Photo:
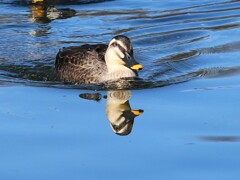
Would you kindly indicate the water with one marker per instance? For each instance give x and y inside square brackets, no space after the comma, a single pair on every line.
[186,121]
[174,43]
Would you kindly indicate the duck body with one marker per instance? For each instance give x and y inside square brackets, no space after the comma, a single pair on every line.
[81,64]
[88,64]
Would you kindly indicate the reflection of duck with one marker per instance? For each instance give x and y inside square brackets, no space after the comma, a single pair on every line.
[118,110]
[45,13]
[97,63]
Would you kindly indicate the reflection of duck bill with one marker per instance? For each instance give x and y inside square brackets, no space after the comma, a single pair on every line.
[36,1]
[137,112]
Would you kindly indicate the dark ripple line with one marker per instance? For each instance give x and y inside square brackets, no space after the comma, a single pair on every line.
[173,14]
[185,30]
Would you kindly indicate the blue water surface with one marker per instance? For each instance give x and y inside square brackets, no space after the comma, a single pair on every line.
[188,101]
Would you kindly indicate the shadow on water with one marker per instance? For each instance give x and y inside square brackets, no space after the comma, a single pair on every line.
[174,45]
[220,138]
[118,110]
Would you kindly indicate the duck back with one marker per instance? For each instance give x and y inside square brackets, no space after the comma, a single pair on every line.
[81,64]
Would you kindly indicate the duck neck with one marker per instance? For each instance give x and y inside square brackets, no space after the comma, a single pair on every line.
[119,71]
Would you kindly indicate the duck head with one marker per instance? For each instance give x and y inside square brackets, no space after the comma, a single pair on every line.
[119,57]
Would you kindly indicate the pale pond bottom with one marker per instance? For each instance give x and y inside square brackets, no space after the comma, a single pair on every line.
[187,131]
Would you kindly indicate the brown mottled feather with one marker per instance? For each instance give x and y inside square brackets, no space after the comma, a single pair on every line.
[81,64]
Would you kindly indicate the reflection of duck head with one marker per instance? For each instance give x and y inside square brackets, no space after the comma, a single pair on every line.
[119,112]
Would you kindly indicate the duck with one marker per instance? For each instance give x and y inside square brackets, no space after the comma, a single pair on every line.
[97,63]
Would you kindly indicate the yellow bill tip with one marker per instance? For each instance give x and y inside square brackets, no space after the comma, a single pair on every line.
[137,67]
[137,112]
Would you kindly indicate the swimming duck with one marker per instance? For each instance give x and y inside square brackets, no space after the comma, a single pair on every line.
[97,63]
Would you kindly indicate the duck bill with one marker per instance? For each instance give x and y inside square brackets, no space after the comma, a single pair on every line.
[137,67]
[132,63]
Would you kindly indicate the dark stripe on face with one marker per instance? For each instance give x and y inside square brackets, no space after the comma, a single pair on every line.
[123,124]
[115,44]
[125,40]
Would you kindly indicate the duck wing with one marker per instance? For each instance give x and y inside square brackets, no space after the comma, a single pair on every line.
[81,64]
